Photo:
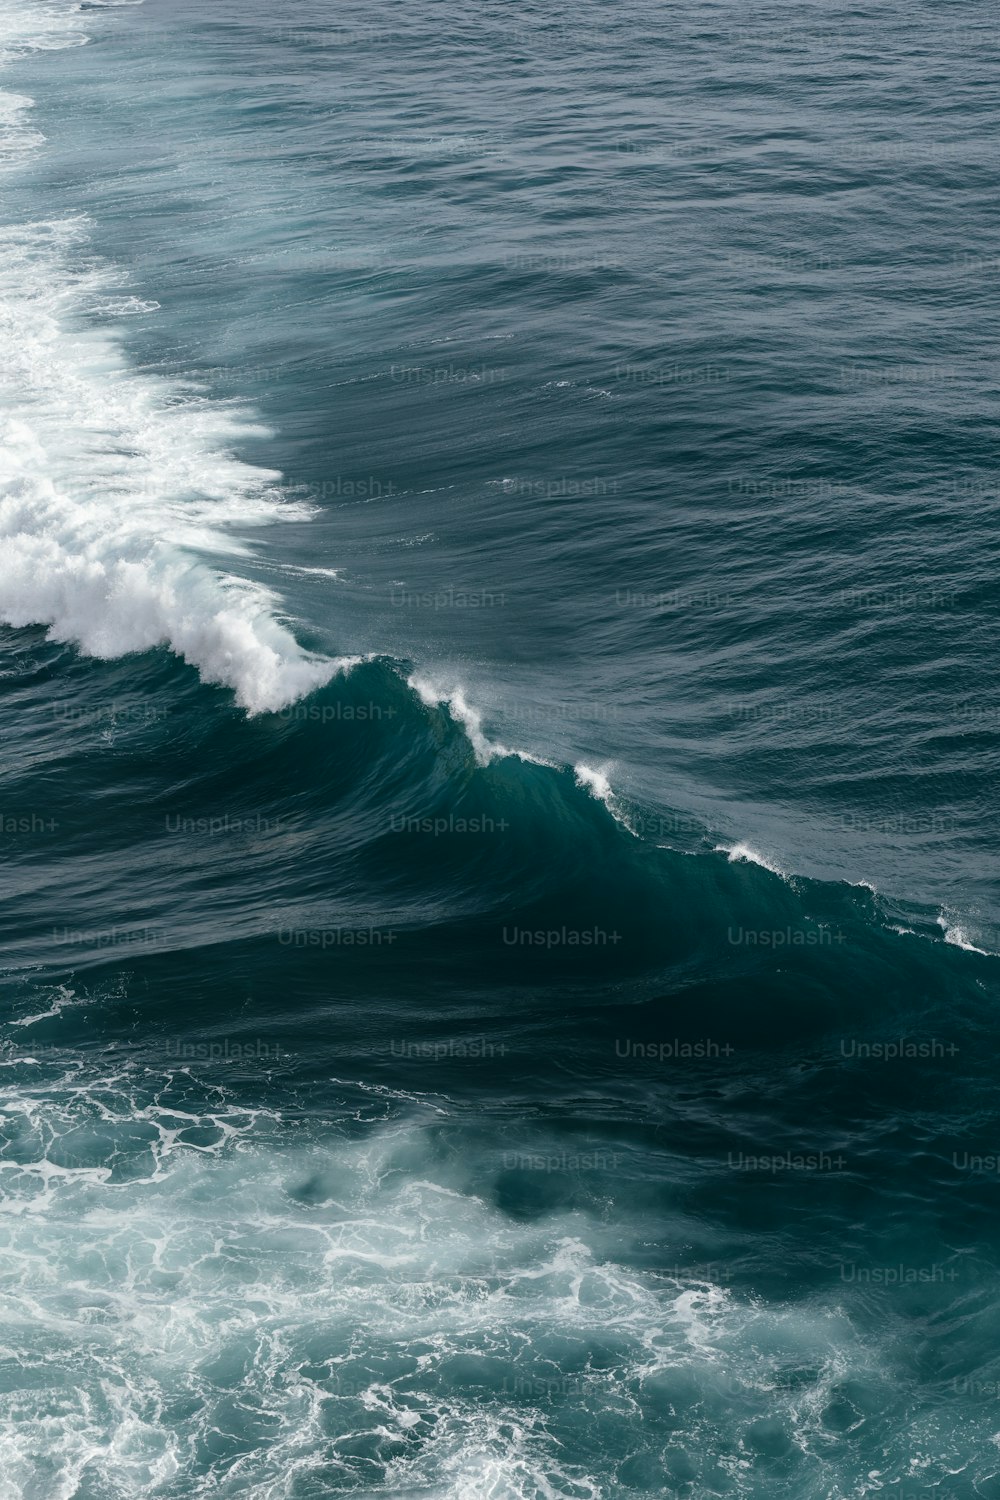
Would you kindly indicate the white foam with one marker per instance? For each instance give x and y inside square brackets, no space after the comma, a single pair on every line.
[956,935]
[164,1263]
[595,781]
[147,1292]
[62,996]
[436,694]
[318,572]
[120,495]
[122,307]
[38,26]
[742,851]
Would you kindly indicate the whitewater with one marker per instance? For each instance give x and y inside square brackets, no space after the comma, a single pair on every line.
[122,506]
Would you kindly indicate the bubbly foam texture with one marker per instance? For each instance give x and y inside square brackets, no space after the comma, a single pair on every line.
[595,781]
[116,487]
[38,26]
[224,1301]
[225,1304]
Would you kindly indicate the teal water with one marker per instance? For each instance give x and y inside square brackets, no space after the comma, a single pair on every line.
[500,751]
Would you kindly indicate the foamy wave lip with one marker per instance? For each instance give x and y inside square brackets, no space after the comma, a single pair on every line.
[956,935]
[113,486]
[743,852]
[594,779]
[434,694]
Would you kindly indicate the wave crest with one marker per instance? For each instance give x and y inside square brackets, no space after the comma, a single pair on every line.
[117,487]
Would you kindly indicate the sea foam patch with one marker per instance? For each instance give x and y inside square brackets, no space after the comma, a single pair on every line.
[222,1301]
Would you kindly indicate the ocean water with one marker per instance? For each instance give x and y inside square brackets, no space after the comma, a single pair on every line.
[500,742]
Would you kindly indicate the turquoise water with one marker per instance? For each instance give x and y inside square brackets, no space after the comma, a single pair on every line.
[501,734]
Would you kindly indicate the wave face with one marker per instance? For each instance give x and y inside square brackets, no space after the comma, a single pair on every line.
[501,919]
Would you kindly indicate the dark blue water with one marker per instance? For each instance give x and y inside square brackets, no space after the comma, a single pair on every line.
[500,750]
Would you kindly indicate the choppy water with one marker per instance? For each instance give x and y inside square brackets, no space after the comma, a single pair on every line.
[500,749]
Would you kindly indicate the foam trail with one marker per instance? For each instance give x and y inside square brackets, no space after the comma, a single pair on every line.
[114,485]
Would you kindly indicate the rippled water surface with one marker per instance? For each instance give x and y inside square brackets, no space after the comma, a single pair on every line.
[499,761]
